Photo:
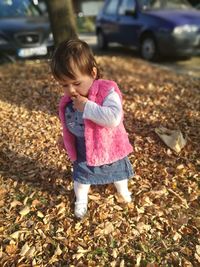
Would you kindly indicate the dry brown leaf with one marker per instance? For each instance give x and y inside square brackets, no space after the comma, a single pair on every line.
[40,214]
[31,252]
[82,250]
[122,264]
[16,234]
[115,253]
[35,203]
[24,211]
[104,229]
[197,257]
[153,264]
[15,203]
[24,249]
[198,249]
[177,237]
[11,249]
[1,252]
[142,227]
[94,197]
[58,251]
[138,259]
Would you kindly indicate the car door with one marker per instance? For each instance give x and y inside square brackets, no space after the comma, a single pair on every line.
[109,20]
[128,22]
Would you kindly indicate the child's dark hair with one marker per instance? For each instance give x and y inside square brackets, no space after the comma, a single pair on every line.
[72,54]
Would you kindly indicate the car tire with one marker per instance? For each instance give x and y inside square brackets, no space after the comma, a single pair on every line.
[148,48]
[101,41]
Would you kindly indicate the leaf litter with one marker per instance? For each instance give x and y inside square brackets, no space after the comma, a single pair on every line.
[37,225]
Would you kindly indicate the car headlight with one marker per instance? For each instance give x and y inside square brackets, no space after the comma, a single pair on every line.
[2,41]
[185,29]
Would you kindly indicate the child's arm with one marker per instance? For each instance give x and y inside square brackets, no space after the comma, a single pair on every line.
[109,114]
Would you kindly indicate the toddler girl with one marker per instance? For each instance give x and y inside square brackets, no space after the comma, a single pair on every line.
[92,120]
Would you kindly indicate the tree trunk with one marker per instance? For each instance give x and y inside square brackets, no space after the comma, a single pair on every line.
[62,19]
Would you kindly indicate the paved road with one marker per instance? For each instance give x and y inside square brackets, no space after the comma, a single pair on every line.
[188,67]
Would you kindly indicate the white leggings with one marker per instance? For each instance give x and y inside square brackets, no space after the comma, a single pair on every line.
[81,190]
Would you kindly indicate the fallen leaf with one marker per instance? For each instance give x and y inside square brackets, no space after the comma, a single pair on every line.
[16,234]
[11,249]
[142,227]
[24,211]
[40,214]
[24,249]
[198,249]
[58,251]
[15,203]
[177,237]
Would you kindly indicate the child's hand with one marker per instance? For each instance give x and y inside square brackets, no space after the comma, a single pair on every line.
[60,143]
[79,102]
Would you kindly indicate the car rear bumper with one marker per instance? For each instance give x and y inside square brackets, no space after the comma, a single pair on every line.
[182,45]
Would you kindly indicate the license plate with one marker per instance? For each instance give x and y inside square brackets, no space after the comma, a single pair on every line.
[34,51]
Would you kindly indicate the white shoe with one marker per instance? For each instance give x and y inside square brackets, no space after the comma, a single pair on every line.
[80,210]
[127,198]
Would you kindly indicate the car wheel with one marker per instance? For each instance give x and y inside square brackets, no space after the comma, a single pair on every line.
[101,41]
[148,48]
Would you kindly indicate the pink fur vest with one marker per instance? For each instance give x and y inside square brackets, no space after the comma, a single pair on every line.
[104,145]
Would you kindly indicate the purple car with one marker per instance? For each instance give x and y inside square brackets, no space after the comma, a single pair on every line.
[155,27]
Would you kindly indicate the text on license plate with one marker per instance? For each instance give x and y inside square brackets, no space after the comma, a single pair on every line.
[34,51]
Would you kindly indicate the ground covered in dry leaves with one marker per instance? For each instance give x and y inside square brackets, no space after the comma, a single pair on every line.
[37,226]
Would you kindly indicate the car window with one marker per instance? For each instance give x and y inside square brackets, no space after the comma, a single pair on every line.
[111,7]
[126,5]
[164,4]
[17,8]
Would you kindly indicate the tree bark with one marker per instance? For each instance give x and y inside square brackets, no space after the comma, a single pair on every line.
[62,19]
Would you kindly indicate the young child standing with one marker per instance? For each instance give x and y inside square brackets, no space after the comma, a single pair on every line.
[91,115]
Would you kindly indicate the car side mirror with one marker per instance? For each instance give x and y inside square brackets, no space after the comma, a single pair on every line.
[130,12]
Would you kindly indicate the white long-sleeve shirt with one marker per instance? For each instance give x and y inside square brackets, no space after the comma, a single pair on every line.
[107,115]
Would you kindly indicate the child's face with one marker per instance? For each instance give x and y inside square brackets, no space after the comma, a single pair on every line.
[80,85]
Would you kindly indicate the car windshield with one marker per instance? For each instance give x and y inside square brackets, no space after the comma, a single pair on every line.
[18,8]
[164,4]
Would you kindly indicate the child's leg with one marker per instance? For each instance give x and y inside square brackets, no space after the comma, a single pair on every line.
[81,192]
[122,189]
